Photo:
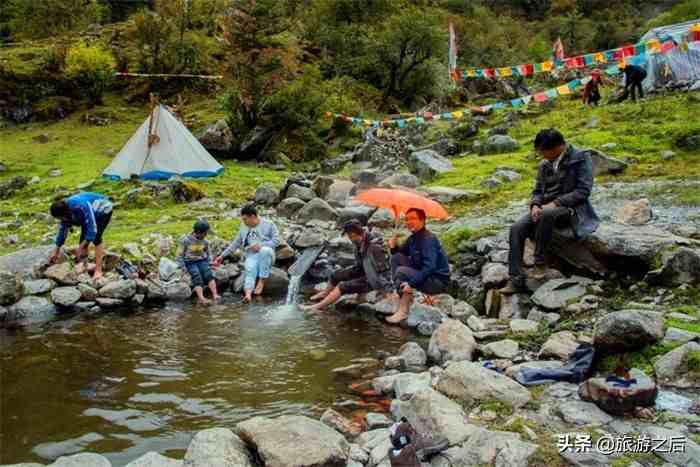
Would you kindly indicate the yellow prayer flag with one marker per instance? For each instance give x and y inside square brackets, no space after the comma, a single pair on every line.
[547,66]
[368,122]
[695,27]
[471,72]
[654,46]
[562,90]
[457,114]
[600,57]
[506,72]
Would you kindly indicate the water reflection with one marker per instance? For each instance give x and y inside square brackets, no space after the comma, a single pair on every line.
[126,384]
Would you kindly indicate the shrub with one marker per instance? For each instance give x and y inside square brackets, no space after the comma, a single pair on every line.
[92,67]
[43,18]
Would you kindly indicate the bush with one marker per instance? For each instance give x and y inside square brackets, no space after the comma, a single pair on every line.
[92,67]
[44,18]
[684,11]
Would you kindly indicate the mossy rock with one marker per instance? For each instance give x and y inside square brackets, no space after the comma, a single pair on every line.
[54,108]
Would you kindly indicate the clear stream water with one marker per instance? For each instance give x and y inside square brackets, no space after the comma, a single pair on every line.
[125,384]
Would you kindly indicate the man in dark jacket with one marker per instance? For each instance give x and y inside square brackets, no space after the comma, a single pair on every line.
[420,264]
[634,75]
[371,271]
[563,186]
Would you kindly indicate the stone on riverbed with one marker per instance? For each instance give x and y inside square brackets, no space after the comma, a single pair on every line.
[558,293]
[413,355]
[340,423]
[10,288]
[618,401]
[452,340]
[629,329]
[31,309]
[290,441]
[82,460]
[121,289]
[38,286]
[582,413]
[153,459]
[484,447]
[24,261]
[65,296]
[62,273]
[217,447]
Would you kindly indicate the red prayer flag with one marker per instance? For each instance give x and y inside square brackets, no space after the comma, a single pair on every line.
[428,115]
[570,63]
[540,97]
[628,51]
[529,68]
[668,45]
[489,72]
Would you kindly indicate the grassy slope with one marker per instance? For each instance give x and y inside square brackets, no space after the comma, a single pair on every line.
[80,151]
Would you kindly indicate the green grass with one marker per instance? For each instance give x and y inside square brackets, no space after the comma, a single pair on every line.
[643,359]
[80,151]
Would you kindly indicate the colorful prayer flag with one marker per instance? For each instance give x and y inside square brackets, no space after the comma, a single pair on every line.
[640,49]
[653,46]
[628,51]
[505,71]
[401,123]
[528,69]
[420,120]
[551,93]
[457,115]
[515,71]
[600,57]
[428,115]
[499,105]
[540,97]
[516,102]
[667,46]
[547,66]
[563,90]
[538,68]
[447,116]
[588,59]
[527,99]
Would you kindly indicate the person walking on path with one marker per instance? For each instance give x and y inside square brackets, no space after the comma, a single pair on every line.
[560,198]
[92,212]
[258,237]
[194,257]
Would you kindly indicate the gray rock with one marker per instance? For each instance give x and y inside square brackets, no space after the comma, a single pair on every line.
[609,398]
[301,192]
[413,355]
[153,459]
[447,195]
[384,384]
[509,176]
[309,238]
[401,179]
[177,291]
[523,326]
[559,345]
[688,456]
[217,137]
[109,303]
[558,293]
[634,212]
[511,306]
[494,274]
[81,460]
[427,164]
[82,307]
[672,368]
[410,383]
[339,423]
[31,309]
[62,273]
[377,420]
[428,411]
[668,155]
[471,383]
[452,340]
[339,192]
[606,165]
[678,336]
[679,266]
[585,458]
[629,329]
[541,317]
[65,296]
[336,164]
[498,144]
[289,441]
[462,311]
[217,447]
[316,209]
[289,207]
[360,213]
[54,450]
[426,315]
[491,183]
[121,289]
[321,185]
[382,218]
[484,447]
[10,288]
[265,194]
[357,453]
[168,269]
[506,348]
[582,413]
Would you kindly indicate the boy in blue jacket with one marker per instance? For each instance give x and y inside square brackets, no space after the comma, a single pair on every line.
[92,212]
[419,264]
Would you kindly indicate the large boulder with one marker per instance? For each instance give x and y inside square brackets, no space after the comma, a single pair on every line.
[321,185]
[507,349]
[217,138]
[452,340]
[360,212]
[303,193]
[413,355]
[65,296]
[10,288]
[291,441]
[582,413]
[406,180]
[254,142]
[634,212]
[265,194]
[428,164]
[31,309]
[121,289]
[672,369]
[410,383]
[275,285]
[678,266]
[62,273]
[484,447]
[84,459]
[558,293]
[153,459]
[428,411]
[606,165]
[629,330]
[471,383]
[609,397]
[674,446]
[448,195]
[498,144]
[494,274]
[289,207]
[217,447]
[559,345]
[316,209]
[37,286]
[339,192]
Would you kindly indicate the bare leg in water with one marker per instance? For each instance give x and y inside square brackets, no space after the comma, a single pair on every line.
[323,293]
[329,299]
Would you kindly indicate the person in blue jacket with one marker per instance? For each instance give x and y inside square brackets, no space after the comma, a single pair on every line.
[420,263]
[92,212]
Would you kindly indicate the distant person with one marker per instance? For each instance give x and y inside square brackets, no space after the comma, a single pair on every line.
[560,198]
[591,93]
[258,237]
[371,271]
[92,212]
[194,257]
[420,263]
[634,75]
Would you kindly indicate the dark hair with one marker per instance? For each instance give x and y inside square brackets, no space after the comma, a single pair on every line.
[59,209]
[249,210]
[419,212]
[549,139]
[353,226]
[201,227]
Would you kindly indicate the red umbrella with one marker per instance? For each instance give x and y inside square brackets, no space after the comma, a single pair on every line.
[400,201]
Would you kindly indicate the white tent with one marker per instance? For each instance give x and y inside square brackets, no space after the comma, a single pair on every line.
[161,148]
[680,64]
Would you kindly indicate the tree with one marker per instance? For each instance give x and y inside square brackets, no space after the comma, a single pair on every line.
[36,19]
[407,41]
[92,67]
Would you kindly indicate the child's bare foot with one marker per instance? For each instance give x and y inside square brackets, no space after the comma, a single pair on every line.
[204,301]
[260,287]
[216,298]
[248,296]
[319,296]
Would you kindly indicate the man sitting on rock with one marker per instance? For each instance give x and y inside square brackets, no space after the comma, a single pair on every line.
[372,270]
[258,237]
[560,198]
[420,264]
[92,212]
